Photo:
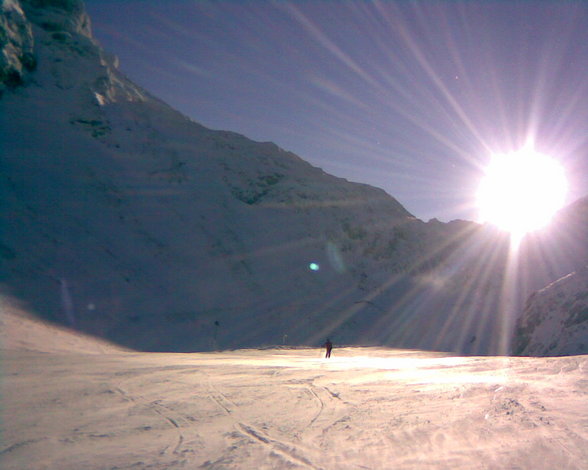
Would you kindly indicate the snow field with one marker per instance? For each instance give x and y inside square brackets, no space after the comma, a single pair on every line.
[290,408]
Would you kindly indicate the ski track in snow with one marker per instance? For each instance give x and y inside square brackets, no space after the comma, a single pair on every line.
[161,411]
[287,451]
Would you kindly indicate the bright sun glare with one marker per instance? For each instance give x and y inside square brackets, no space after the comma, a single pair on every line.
[521,191]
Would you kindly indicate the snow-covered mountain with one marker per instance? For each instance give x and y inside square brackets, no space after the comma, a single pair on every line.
[125,219]
[555,321]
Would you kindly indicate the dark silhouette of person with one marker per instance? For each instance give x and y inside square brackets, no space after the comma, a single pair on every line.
[328,347]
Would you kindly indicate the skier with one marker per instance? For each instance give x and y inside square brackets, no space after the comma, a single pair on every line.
[328,347]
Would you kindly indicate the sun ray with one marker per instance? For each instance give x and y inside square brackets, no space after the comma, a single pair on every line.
[492,248]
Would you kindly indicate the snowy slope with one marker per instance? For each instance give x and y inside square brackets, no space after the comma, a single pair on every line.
[70,402]
[291,409]
[21,331]
[128,217]
[124,219]
[555,321]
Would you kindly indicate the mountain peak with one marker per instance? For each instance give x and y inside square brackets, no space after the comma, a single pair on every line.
[52,40]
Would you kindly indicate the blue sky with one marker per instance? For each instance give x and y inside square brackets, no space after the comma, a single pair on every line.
[409,96]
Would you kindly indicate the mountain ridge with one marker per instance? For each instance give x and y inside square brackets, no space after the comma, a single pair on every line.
[127,153]
[127,220]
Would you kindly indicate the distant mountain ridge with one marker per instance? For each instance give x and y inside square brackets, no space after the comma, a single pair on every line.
[127,220]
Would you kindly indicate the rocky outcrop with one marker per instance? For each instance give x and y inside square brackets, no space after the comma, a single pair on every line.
[17,57]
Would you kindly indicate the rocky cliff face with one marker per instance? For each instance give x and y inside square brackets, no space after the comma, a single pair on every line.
[125,219]
[16,46]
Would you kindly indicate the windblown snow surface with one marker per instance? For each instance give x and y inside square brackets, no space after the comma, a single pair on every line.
[98,407]
[124,219]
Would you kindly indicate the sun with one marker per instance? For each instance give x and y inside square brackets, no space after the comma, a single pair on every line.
[521,191]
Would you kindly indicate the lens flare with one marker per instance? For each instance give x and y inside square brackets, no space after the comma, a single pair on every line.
[521,191]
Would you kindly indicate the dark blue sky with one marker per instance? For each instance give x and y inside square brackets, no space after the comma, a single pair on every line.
[408,96]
